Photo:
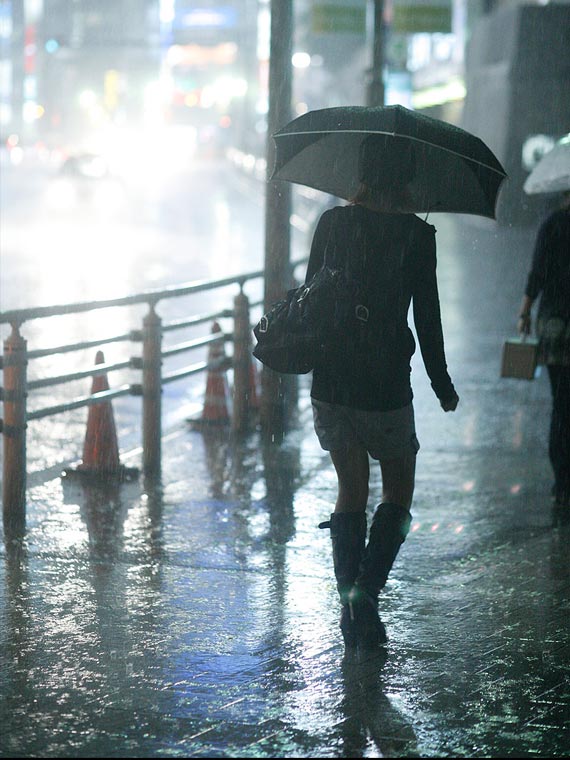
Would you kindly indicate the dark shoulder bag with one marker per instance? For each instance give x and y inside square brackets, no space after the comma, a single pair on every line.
[291,335]
[315,323]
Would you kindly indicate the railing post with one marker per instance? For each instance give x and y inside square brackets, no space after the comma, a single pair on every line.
[241,364]
[14,433]
[152,391]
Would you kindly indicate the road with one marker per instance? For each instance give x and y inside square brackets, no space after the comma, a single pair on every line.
[198,222]
[202,220]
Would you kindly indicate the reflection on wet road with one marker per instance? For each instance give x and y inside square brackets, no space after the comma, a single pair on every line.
[197,616]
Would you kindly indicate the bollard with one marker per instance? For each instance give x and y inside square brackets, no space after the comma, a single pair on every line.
[151,392]
[242,361]
[14,433]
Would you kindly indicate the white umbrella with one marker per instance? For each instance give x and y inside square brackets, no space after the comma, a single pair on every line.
[552,172]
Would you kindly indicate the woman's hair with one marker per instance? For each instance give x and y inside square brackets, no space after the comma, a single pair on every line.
[396,195]
[368,194]
[385,167]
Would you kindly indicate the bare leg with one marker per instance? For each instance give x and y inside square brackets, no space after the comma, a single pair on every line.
[398,480]
[352,469]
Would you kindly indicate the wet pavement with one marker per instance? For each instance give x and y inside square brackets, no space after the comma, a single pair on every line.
[198,615]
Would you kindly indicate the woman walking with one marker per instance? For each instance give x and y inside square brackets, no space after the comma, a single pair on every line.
[549,278]
[364,408]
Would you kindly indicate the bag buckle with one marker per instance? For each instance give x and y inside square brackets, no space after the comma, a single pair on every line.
[263,324]
[303,295]
[361,312]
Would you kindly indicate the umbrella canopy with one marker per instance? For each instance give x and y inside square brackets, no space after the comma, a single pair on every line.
[552,172]
[452,169]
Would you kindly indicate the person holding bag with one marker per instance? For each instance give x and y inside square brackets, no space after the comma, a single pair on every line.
[363,407]
[549,278]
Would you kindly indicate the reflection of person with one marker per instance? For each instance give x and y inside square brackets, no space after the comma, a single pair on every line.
[365,408]
[549,277]
[371,718]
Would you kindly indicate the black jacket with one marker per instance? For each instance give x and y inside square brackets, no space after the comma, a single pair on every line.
[550,270]
[398,260]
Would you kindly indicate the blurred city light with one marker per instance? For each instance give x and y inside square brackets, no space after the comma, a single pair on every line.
[301,60]
[52,46]
[87,99]
[32,111]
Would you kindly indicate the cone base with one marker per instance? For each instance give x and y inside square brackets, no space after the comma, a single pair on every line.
[91,474]
[200,423]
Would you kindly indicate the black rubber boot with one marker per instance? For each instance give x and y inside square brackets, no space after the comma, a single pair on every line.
[348,535]
[390,526]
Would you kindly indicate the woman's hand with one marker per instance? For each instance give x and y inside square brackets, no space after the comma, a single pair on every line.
[450,405]
[524,324]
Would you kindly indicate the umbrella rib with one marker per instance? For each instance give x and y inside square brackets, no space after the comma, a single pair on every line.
[392,134]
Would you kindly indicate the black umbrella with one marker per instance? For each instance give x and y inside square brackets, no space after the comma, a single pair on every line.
[452,169]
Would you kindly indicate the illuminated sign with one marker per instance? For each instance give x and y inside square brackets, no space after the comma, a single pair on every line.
[415,16]
[220,17]
[338,18]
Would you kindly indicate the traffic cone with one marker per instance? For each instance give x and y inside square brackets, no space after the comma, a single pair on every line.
[100,449]
[215,411]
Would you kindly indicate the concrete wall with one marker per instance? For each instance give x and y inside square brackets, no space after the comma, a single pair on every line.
[518,85]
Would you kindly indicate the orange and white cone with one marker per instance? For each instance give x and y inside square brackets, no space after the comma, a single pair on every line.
[100,448]
[216,400]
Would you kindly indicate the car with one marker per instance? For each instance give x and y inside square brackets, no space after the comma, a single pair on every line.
[85,179]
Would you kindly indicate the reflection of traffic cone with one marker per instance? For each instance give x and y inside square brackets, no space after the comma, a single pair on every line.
[215,411]
[100,448]
[216,447]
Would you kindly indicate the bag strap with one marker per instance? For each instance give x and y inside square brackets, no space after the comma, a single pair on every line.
[349,258]
[327,261]
[354,265]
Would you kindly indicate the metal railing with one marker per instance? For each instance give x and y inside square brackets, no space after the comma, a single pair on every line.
[16,386]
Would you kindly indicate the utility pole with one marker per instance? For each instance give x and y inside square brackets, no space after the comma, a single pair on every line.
[276,387]
[375,91]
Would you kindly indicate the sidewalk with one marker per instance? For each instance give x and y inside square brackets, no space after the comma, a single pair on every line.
[199,616]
